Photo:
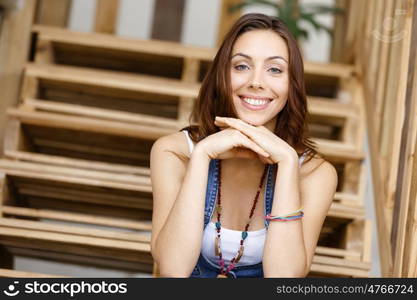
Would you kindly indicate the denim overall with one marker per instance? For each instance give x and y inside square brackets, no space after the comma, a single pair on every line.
[206,268]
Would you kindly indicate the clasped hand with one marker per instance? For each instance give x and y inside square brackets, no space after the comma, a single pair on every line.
[277,149]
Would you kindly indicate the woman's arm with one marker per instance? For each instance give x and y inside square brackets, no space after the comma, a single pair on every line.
[290,246]
[178,196]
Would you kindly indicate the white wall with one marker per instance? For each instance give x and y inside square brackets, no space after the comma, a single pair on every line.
[200,22]
[135,18]
[82,15]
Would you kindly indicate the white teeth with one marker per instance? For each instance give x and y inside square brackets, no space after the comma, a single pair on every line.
[255,101]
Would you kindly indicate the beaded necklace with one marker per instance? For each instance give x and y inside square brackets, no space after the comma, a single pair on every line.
[217,247]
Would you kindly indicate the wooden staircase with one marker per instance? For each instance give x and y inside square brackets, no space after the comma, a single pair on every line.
[75,176]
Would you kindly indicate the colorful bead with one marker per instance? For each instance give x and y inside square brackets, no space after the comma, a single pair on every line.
[217,249]
[218,225]
[244,234]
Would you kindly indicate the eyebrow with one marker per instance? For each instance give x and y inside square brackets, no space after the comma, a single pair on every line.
[269,58]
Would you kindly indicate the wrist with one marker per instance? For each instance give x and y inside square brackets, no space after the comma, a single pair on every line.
[290,159]
[200,153]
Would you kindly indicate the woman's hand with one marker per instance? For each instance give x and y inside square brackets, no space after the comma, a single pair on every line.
[231,143]
[278,149]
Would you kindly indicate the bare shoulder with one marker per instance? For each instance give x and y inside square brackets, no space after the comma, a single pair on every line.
[317,166]
[175,144]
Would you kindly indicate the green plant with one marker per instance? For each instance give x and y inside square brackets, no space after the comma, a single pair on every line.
[293,15]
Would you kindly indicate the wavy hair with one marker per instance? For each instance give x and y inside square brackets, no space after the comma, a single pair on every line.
[215,94]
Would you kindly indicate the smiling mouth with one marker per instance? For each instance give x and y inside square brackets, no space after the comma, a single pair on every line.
[256,101]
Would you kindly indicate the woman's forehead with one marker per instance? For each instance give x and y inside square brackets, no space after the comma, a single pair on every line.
[261,43]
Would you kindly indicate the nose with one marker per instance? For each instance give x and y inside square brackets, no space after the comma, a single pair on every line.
[255,81]
[255,85]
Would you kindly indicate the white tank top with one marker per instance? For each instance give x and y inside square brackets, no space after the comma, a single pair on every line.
[230,240]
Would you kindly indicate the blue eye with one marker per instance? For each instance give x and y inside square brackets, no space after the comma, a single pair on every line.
[275,70]
[241,67]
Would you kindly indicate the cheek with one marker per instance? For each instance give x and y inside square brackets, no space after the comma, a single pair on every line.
[237,81]
[280,87]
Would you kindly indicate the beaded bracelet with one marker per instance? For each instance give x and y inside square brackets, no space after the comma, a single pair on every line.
[298,214]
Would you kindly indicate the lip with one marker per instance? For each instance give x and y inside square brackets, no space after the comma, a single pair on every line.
[255,107]
[255,97]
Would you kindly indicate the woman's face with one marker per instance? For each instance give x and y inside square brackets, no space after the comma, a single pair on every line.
[259,77]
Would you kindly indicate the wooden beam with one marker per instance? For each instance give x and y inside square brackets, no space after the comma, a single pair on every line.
[52,12]
[168,19]
[14,50]
[405,205]
[226,19]
[106,16]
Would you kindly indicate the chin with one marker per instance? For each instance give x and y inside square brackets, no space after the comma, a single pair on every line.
[253,122]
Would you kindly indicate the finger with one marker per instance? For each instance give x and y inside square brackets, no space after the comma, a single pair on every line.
[222,126]
[248,143]
[249,130]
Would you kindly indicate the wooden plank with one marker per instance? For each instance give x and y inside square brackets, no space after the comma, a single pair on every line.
[329,69]
[111,79]
[30,87]
[62,148]
[75,230]
[227,19]
[45,53]
[376,160]
[75,172]
[337,149]
[322,106]
[109,199]
[113,263]
[76,180]
[404,221]
[338,271]
[355,237]
[22,274]
[101,113]
[79,163]
[65,244]
[397,117]
[106,16]
[341,262]
[76,217]
[109,42]
[92,125]
[15,30]
[53,13]
[320,250]
[190,74]
[168,12]
[381,86]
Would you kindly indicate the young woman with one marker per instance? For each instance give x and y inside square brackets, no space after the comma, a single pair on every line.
[243,193]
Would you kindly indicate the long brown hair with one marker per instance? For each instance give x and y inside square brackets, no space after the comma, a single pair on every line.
[215,94]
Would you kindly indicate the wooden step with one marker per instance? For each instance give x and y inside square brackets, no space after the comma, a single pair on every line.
[78,163]
[78,245]
[34,189]
[7,273]
[107,142]
[165,59]
[110,79]
[168,59]
[333,124]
